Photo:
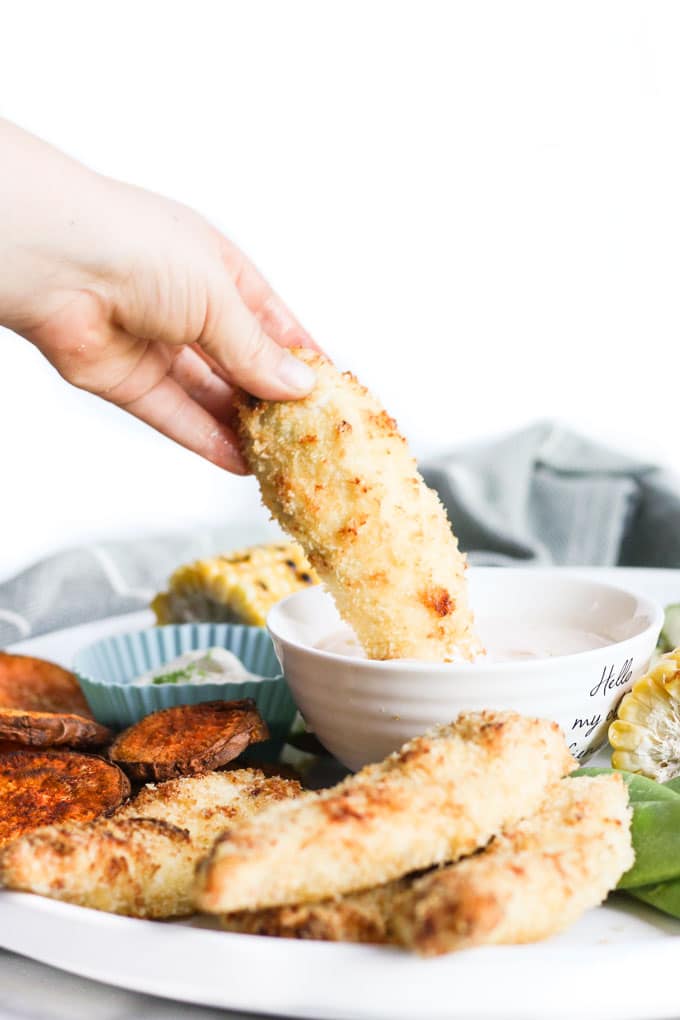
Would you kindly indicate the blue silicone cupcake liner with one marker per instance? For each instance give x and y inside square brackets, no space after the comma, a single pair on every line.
[107,669]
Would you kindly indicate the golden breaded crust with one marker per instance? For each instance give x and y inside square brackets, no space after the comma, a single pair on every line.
[440,797]
[142,861]
[206,805]
[339,478]
[240,587]
[137,866]
[532,882]
[358,917]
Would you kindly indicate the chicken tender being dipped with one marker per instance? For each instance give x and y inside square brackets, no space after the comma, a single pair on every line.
[337,476]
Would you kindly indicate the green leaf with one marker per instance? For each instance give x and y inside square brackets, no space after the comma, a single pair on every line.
[655,828]
[665,896]
[640,788]
[669,638]
[655,831]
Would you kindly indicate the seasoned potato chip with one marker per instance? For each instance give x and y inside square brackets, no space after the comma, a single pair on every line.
[187,739]
[41,787]
[39,686]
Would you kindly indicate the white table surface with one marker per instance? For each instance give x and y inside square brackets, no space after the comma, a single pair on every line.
[33,991]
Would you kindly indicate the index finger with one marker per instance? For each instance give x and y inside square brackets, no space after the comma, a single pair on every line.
[276,319]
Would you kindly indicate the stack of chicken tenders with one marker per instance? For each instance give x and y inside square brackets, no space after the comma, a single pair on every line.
[467,836]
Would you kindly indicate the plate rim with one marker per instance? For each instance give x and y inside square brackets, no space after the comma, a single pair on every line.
[552,960]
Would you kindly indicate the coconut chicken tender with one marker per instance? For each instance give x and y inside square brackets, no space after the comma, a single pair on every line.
[441,796]
[337,476]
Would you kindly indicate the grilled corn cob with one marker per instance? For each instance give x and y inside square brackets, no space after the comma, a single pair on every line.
[646,735]
[240,587]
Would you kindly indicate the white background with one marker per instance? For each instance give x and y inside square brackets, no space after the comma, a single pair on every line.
[475,206]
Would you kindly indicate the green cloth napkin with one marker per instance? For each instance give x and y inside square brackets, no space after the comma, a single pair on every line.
[542,495]
[547,495]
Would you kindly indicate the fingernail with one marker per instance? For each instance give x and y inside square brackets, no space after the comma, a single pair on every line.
[295,375]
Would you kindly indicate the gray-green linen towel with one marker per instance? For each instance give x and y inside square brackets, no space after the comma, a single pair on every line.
[542,495]
[546,495]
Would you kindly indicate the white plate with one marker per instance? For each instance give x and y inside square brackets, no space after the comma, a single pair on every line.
[618,962]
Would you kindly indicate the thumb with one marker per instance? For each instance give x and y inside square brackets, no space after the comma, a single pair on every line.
[236,339]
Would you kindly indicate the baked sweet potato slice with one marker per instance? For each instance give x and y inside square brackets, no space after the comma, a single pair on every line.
[39,686]
[10,745]
[187,739]
[51,729]
[44,787]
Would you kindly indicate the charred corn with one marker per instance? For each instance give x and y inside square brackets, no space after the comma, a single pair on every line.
[646,735]
[240,587]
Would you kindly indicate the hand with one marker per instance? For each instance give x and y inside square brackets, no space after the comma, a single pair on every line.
[138,299]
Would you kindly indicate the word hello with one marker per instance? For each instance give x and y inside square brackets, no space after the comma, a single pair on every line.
[611,680]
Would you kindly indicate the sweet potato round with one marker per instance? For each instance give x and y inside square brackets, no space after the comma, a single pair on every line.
[43,787]
[39,686]
[51,729]
[187,739]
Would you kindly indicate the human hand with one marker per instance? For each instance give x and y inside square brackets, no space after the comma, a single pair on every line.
[138,299]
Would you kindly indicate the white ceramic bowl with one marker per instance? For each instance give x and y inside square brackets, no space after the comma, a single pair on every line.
[361,710]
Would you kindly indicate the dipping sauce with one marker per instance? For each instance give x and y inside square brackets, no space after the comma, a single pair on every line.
[207,666]
[503,642]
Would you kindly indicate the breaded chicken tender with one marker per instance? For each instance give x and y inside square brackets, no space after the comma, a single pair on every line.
[208,804]
[440,797]
[339,478]
[532,882]
[357,917]
[142,861]
[141,867]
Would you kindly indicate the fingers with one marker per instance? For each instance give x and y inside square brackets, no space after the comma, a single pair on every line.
[175,393]
[248,333]
[196,375]
[274,316]
[236,339]
[210,362]
[168,408]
